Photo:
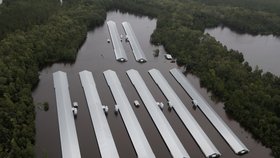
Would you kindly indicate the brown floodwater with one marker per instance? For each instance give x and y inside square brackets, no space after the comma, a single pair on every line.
[261,51]
[96,55]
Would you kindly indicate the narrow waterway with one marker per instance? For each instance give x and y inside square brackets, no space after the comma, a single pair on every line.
[257,50]
[96,55]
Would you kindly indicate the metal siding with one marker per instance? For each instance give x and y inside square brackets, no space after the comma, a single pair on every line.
[234,142]
[104,136]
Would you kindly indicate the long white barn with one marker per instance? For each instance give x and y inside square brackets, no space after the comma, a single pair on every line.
[137,136]
[167,133]
[118,47]
[136,48]
[67,129]
[205,144]
[102,130]
[234,142]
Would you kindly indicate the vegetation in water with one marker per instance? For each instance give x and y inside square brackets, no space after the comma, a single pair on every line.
[156,52]
[46,106]
[35,33]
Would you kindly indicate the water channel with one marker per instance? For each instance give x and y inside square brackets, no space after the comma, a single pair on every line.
[97,55]
[257,50]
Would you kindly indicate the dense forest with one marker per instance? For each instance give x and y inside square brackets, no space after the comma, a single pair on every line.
[272,6]
[24,49]
[35,33]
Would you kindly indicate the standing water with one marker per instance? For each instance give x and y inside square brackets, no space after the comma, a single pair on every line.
[257,50]
[96,55]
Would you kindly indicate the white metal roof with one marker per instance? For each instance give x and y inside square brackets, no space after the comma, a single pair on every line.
[168,56]
[118,47]
[171,140]
[67,129]
[136,48]
[137,136]
[102,130]
[237,146]
[205,144]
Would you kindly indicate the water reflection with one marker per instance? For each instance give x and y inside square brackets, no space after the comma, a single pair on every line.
[257,50]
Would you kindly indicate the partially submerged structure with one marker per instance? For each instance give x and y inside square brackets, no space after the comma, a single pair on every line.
[237,146]
[117,45]
[137,136]
[167,133]
[205,144]
[136,48]
[102,130]
[67,129]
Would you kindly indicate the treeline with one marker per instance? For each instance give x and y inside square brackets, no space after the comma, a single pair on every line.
[238,19]
[23,14]
[198,17]
[272,6]
[56,33]
[250,96]
[22,54]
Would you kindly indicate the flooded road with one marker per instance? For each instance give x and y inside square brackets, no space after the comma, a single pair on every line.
[257,50]
[96,55]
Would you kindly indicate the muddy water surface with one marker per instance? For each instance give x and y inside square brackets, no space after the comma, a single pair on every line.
[96,55]
[257,50]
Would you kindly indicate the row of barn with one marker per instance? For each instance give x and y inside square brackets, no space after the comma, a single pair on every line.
[69,141]
[130,37]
